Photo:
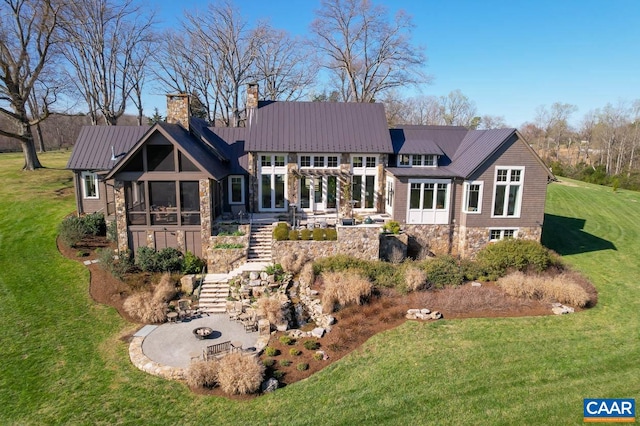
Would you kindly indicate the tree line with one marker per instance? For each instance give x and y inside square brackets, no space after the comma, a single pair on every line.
[100,56]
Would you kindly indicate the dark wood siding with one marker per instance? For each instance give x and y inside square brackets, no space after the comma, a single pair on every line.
[513,153]
[193,242]
[137,239]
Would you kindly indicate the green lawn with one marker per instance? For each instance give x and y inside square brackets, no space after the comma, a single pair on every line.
[63,360]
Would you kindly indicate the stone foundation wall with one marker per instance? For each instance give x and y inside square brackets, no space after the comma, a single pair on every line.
[121,216]
[226,260]
[474,239]
[362,242]
[428,240]
[393,247]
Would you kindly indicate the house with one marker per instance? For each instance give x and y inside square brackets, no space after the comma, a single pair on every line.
[452,189]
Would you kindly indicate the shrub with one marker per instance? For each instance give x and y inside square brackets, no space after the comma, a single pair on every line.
[281,232]
[560,288]
[72,230]
[169,259]
[112,231]
[117,267]
[471,270]
[271,351]
[203,374]
[318,356]
[287,340]
[294,235]
[271,308]
[166,289]
[240,375]
[318,234]
[392,227]
[294,352]
[414,278]
[277,374]
[442,271]
[144,307]
[227,246]
[311,345]
[513,254]
[269,362]
[343,289]
[305,234]
[146,259]
[94,224]
[303,366]
[284,363]
[331,234]
[192,264]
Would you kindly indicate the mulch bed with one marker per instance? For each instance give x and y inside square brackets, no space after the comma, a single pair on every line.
[354,324]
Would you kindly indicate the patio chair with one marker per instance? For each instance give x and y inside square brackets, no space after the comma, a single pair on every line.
[250,327]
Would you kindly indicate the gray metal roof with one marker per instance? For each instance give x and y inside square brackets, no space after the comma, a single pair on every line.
[438,140]
[430,172]
[93,148]
[319,127]
[199,152]
[234,138]
[477,147]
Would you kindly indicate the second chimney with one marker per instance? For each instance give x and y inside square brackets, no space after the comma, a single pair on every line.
[252,95]
[178,109]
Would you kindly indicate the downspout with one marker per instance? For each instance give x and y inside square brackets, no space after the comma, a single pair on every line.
[76,181]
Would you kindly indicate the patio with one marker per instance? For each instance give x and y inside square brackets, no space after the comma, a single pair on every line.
[174,344]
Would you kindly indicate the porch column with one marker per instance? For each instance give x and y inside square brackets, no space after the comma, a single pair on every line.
[121,216]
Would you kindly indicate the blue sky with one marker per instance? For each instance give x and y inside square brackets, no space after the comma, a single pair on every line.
[508,56]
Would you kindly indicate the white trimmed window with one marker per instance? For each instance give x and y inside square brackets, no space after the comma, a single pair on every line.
[473,197]
[364,182]
[428,201]
[501,234]
[236,189]
[507,196]
[89,185]
[318,161]
[417,160]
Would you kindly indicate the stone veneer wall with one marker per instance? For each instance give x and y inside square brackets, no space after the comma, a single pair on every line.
[121,216]
[204,187]
[436,239]
[226,260]
[362,242]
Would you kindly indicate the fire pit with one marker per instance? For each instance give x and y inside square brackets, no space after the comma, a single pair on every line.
[202,332]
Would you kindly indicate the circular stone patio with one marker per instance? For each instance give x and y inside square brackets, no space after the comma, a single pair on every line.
[167,350]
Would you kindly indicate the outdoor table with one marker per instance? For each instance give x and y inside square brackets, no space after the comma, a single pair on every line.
[236,346]
[172,317]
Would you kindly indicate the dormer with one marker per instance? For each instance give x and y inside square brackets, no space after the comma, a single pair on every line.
[417,160]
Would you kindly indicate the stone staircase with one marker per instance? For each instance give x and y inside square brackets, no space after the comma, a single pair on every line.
[260,242]
[215,287]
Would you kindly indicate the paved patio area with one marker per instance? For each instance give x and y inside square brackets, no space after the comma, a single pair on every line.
[173,345]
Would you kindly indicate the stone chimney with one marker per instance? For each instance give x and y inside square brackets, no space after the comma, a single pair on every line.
[178,109]
[252,95]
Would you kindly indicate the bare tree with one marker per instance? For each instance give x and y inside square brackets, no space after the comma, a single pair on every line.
[104,41]
[230,47]
[27,30]
[366,52]
[282,67]
[488,121]
[456,109]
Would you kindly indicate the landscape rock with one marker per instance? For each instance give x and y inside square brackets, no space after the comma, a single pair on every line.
[425,311]
[253,275]
[476,284]
[562,309]
[269,385]
[317,332]
[436,315]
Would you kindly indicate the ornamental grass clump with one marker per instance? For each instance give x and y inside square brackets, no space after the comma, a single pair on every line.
[166,289]
[293,262]
[414,278]
[239,374]
[271,308]
[144,307]
[203,374]
[344,288]
[561,288]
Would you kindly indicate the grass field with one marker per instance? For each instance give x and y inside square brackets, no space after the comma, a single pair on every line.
[63,360]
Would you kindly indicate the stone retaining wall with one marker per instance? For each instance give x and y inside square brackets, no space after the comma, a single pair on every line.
[362,242]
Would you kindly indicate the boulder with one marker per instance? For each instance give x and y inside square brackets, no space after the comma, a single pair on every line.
[253,275]
[413,311]
[476,284]
[318,332]
[436,315]
[425,311]
[264,276]
[269,385]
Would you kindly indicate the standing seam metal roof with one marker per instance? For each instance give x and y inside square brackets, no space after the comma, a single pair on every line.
[93,148]
[319,127]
